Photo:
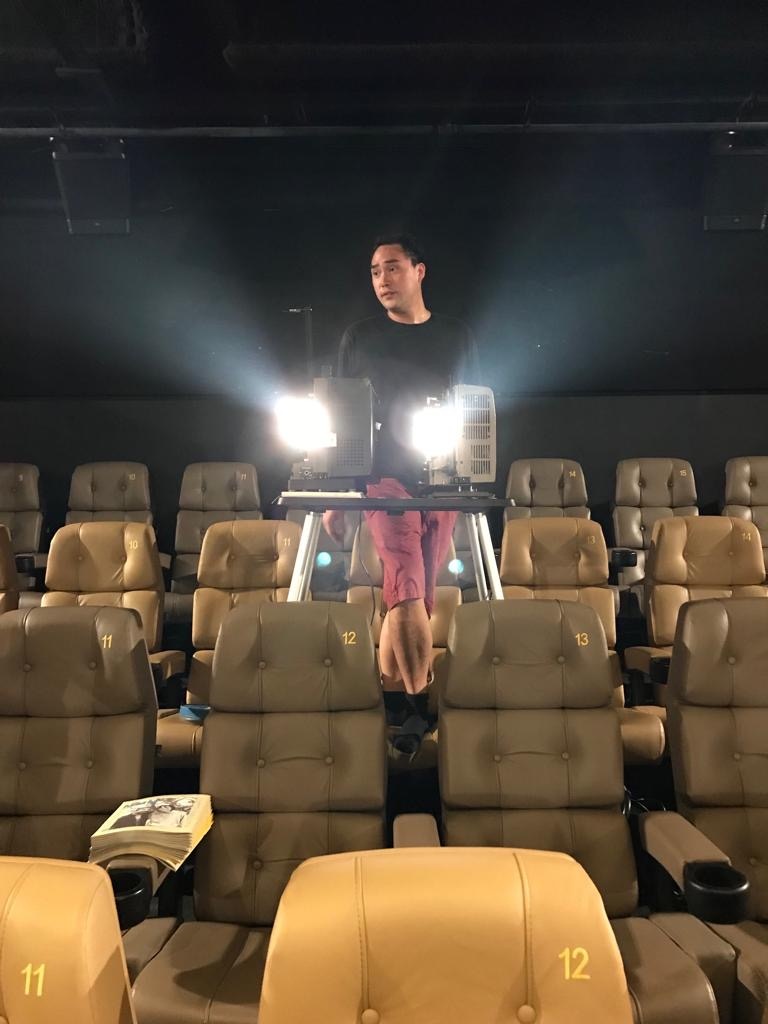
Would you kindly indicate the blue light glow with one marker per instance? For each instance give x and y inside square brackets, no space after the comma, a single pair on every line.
[323,559]
[456,566]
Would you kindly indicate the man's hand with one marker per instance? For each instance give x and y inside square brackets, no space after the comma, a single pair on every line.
[333,523]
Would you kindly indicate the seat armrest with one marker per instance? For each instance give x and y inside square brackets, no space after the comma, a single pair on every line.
[41,560]
[622,558]
[166,664]
[414,830]
[674,842]
[638,659]
[165,560]
[659,670]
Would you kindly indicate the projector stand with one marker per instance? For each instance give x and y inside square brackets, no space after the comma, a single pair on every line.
[315,504]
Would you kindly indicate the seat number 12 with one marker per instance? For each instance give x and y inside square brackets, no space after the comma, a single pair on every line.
[574,963]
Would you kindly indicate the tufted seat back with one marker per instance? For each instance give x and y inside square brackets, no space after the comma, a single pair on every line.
[20,506]
[77,725]
[746,492]
[546,487]
[9,581]
[294,752]
[110,492]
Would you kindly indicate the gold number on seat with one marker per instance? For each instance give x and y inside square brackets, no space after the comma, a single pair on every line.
[591,539]
[582,639]
[131,476]
[748,535]
[572,473]
[574,963]
[29,974]
[106,641]
[243,476]
[133,545]
[350,638]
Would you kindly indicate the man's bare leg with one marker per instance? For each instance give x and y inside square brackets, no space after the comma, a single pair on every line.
[391,676]
[409,638]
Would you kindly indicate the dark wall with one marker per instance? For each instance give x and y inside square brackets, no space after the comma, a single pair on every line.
[581,262]
[169,433]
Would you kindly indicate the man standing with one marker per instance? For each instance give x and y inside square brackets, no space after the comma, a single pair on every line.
[408,354]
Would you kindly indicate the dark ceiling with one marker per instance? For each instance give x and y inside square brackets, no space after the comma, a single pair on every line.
[154,64]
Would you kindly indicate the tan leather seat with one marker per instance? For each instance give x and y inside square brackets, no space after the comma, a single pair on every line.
[294,758]
[692,559]
[115,565]
[530,756]
[330,581]
[566,560]
[648,490]
[746,492]
[718,723]
[20,506]
[449,937]
[20,514]
[60,950]
[77,725]
[211,492]
[546,487]
[242,562]
[78,714]
[9,578]
[109,492]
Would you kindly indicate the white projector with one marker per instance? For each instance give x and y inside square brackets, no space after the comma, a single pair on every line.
[457,435]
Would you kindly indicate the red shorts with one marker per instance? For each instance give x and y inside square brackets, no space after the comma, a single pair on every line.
[411,546]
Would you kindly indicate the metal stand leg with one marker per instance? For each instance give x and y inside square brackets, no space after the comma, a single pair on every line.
[305,557]
[489,557]
[471,519]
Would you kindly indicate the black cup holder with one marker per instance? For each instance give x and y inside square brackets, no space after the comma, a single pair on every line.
[715,891]
[133,894]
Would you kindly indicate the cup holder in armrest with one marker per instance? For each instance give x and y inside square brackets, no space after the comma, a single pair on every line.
[715,891]
[133,893]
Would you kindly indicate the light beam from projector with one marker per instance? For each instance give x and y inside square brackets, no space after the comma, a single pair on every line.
[304,423]
[436,430]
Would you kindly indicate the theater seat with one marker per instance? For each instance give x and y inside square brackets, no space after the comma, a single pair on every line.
[294,758]
[746,492]
[718,724]
[9,578]
[566,560]
[330,575]
[648,490]
[20,514]
[115,565]
[78,715]
[530,757]
[109,492]
[241,563]
[693,559]
[448,937]
[60,950]
[546,487]
[211,492]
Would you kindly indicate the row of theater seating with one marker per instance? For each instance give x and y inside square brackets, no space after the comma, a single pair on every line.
[646,490]
[247,562]
[61,938]
[294,758]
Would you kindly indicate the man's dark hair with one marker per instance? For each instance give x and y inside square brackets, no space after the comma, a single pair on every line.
[407,243]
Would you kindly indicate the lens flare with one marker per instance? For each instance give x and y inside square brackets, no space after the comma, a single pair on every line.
[304,423]
[323,559]
[456,566]
[436,430]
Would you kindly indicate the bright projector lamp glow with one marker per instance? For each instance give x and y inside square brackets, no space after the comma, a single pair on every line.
[436,430]
[456,566]
[304,424]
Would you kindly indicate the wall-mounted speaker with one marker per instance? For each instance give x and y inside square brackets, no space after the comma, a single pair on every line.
[736,190]
[95,188]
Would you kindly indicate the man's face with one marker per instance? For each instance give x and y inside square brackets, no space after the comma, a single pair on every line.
[396,281]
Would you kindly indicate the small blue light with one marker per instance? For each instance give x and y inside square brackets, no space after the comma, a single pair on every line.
[323,559]
[456,566]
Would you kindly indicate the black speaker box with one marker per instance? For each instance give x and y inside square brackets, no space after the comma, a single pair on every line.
[96,190]
[736,192]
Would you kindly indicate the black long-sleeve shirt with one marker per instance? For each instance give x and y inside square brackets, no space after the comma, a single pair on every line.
[406,363]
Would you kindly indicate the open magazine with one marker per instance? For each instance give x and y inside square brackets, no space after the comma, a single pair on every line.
[167,828]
